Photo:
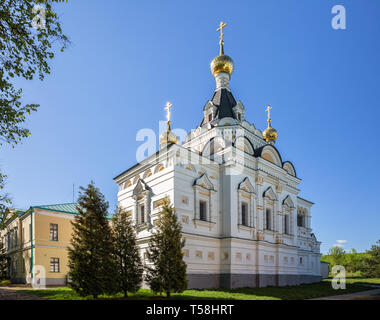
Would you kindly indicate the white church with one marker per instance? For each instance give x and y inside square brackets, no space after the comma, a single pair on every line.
[237,200]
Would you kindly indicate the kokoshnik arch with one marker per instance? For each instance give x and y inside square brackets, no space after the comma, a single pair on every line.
[237,200]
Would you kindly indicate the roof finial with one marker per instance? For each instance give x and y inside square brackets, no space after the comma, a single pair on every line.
[168,136]
[268,109]
[221,42]
[168,113]
[270,134]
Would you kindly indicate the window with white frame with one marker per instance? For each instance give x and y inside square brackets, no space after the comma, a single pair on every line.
[142,197]
[53,232]
[246,203]
[54,264]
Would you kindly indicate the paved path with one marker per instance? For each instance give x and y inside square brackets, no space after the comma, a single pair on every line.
[363,295]
[8,293]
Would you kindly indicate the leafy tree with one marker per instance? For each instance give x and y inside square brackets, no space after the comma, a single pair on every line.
[4,216]
[5,201]
[168,270]
[26,46]
[91,261]
[337,255]
[354,261]
[371,263]
[128,262]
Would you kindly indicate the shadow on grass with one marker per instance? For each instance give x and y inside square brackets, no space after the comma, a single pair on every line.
[301,292]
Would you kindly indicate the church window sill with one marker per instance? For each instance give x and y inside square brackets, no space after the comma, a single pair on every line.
[142,226]
[245,227]
[203,223]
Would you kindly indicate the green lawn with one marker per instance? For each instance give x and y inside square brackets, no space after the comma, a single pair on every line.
[306,291]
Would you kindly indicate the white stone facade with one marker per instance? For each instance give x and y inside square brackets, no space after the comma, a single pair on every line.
[237,201]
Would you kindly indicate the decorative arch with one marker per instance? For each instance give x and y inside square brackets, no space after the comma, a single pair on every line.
[147,174]
[214,145]
[159,167]
[270,194]
[244,144]
[269,153]
[288,202]
[204,182]
[289,168]
[246,186]
[140,187]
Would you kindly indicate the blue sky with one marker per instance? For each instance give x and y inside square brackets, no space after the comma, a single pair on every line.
[128,58]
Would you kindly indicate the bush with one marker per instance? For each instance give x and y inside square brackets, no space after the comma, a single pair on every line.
[4,283]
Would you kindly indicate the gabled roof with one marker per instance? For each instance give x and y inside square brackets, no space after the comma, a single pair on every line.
[64,207]
[70,208]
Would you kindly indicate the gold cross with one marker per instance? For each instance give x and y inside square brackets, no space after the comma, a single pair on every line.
[268,109]
[221,26]
[167,108]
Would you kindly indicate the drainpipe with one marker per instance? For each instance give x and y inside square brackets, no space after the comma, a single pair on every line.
[31,241]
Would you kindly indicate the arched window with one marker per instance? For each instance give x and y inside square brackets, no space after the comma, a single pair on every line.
[142,196]
[246,203]
[203,190]
[287,211]
[270,207]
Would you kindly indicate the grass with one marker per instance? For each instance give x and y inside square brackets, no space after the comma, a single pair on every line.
[305,291]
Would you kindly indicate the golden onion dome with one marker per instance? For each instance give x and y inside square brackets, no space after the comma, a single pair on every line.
[270,134]
[168,137]
[222,63]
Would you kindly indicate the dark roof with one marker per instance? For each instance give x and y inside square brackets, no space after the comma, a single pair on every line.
[224,101]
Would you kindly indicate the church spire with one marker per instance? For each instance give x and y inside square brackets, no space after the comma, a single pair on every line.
[270,134]
[221,42]
[168,136]
[222,65]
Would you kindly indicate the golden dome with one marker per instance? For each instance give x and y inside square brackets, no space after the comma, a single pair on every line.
[222,63]
[168,137]
[270,134]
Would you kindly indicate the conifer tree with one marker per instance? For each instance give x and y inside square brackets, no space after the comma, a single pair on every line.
[91,259]
[168,270]
[371,265]
[129,268]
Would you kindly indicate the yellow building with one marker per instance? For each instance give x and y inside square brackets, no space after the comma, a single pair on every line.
[36,242]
